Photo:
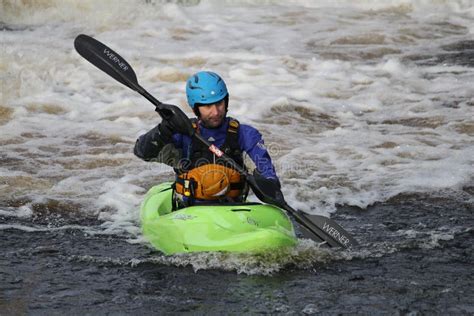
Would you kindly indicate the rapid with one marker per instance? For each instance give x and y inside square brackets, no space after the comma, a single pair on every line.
[366,108]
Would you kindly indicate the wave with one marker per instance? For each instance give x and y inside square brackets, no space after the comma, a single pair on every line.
[34,12]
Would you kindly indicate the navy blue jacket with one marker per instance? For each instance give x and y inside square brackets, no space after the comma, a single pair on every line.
[149,145]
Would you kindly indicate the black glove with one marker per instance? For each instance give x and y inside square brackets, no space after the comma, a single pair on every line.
[165,131]
[174,121]
[269,187]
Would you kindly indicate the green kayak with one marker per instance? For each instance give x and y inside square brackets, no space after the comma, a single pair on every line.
[245,227]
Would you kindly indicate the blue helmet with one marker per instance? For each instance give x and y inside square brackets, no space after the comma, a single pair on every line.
[205,87]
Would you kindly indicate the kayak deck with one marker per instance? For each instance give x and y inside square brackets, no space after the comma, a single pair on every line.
[245,227]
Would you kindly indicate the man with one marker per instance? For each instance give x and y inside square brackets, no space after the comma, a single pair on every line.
[200,175]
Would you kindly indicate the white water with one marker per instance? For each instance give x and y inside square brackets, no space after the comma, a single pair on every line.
[348,118]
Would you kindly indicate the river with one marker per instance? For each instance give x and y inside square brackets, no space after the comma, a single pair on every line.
[366,108]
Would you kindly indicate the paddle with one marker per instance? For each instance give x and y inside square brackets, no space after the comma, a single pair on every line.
[318,228]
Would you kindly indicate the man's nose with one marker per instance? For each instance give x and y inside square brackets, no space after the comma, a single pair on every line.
[213,109]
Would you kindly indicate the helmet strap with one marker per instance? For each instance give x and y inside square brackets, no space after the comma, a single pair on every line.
[196,111]
[226,103]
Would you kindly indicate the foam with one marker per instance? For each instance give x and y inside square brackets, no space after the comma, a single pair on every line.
[36,228]
[21,212]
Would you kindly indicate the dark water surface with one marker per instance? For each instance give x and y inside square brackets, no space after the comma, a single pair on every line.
[397,270]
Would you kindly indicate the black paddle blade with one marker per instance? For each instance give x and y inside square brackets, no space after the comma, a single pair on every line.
[114,65]
[320,228]
[315,227]
[106,60]
[329,230]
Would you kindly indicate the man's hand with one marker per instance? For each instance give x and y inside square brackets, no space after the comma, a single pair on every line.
[269,187]
[174,121]
[166,130]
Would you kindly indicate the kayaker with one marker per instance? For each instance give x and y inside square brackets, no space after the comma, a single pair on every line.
[200,175]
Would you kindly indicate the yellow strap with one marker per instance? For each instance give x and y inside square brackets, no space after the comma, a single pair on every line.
[233,126]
